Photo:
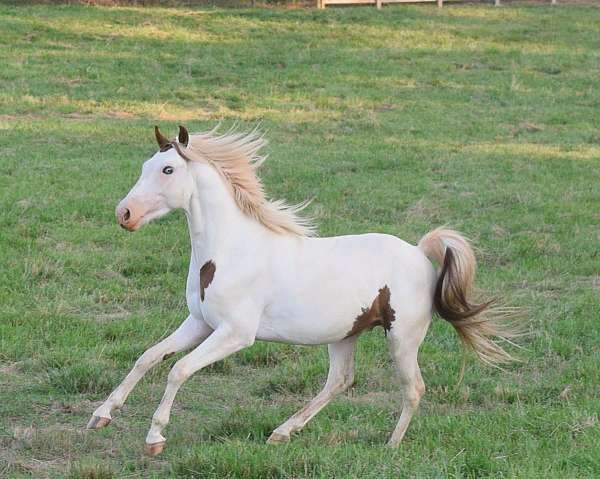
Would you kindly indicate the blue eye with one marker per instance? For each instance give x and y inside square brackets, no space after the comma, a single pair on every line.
[167,170]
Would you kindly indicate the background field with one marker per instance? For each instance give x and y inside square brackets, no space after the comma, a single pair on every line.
[395,121]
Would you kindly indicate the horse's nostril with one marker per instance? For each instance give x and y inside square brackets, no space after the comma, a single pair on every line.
[126,215]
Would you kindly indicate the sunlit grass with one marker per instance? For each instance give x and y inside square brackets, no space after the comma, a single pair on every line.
[398,121]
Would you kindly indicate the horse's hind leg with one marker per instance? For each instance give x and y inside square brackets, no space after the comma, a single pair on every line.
[404,347]
[340,378]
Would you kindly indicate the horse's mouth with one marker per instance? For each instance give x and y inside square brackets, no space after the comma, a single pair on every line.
[131,227]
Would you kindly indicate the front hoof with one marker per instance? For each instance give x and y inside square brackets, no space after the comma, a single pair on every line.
[155,449]
[277,438]
[97,422]
[393,443]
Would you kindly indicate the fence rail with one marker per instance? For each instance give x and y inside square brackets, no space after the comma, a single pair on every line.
[380,3]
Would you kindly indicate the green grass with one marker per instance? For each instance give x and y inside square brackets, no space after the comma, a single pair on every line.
[486,119]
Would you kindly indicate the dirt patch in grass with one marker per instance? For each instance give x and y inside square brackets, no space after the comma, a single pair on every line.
[378,398]
[42,451]
[10,368]
[108,317]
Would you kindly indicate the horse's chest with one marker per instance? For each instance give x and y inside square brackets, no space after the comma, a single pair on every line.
[205,296]
[198,283]
[192,294]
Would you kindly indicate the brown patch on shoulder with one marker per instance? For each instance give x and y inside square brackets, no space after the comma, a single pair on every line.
[207,272]
[379,314]
[167,356]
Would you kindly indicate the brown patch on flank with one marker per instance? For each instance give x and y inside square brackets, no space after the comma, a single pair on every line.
[207,272]
[167,356]
[379,314]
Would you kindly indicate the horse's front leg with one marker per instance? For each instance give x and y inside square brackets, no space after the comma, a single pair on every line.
[189,334]
[220,344]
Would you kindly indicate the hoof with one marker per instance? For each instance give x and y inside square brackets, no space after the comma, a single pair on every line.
[155,449]
[394,443]
[277,438]
[97,422]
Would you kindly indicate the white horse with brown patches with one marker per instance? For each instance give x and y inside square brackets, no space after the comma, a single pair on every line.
[256,273]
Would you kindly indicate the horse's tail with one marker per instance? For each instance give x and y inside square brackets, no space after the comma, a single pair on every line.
[452,297]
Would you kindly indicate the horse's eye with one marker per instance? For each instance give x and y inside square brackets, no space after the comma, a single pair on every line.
[167,170]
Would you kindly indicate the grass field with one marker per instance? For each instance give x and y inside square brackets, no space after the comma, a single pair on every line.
[487,119]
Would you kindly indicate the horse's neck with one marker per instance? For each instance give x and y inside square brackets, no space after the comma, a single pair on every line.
[218,227]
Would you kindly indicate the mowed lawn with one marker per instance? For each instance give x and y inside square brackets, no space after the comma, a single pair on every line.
[485,119]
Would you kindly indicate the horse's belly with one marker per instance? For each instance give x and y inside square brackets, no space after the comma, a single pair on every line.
[319,316]
[304,329]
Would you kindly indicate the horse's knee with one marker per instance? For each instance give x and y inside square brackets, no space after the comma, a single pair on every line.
[178,374]
[143,363]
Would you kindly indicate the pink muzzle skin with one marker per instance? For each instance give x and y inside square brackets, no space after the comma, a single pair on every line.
[128,214]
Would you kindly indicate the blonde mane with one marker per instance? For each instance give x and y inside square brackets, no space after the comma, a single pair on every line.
[236,157]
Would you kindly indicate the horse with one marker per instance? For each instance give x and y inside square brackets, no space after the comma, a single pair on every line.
[259,272]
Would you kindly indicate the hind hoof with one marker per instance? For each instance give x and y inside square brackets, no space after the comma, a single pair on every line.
[277,438]
[155,449]
[97,422]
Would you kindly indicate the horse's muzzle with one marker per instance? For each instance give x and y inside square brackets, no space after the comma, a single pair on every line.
[127,220]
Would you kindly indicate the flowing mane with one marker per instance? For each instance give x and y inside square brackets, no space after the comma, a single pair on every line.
[236,157]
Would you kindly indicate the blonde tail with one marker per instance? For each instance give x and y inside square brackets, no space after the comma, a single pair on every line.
[476,324]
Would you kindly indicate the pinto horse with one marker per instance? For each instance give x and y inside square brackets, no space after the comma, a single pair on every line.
[258,273]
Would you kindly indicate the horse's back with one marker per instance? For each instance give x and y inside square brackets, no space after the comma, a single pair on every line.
[375,255]
[378,260]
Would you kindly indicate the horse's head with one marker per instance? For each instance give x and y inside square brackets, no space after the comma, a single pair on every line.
[164,185]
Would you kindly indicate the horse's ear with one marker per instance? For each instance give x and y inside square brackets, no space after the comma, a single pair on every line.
[184,136]
[161,139]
